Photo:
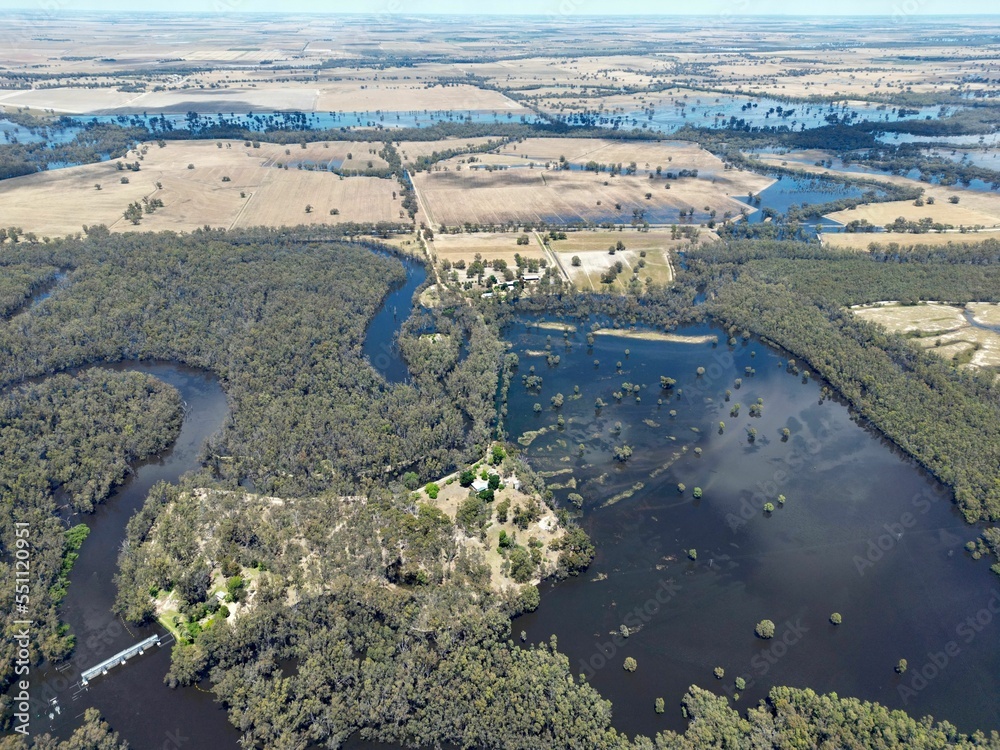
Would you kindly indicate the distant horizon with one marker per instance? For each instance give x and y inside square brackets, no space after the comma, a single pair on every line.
[496,14]
[907,10]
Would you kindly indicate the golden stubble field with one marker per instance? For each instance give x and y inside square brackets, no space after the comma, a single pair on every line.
[61,201]
[239,98]
[489,245]
[942,211]
[456,192]
[862,241]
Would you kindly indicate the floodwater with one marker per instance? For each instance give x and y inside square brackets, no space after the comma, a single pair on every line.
[863,532]
[711,110]
[799,191]
[269,121]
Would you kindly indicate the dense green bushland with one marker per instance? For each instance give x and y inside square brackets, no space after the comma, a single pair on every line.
[68,440]
[279,316]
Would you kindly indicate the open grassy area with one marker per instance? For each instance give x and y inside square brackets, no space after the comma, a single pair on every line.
[652,249]
[944,329]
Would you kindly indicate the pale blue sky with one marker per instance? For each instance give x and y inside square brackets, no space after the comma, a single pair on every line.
[567,8]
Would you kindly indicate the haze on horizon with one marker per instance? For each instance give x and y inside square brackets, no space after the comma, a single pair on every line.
[566,8]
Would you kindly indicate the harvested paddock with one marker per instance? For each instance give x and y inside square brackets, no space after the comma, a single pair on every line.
[648,155]
[324,155]
[390,96]
[523,195]
[491,246]
[67,100]
[345,96]
[941,212]
[281,200]
[410,151]
[862,241]
[61,201]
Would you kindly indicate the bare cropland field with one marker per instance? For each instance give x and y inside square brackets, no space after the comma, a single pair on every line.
[97,101]
[281,201]
[944,329]
[865,71]
[66,100]
[863,240]
[670,156]
[558,73]
[458,194]
[266,96]
[406,97]
[226,187]
[410,151]
[489,245]
[592,250]
[325,155]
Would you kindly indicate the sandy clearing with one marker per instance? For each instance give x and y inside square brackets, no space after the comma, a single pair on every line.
[927,318]
[657,336]
[943,329]
[986,313]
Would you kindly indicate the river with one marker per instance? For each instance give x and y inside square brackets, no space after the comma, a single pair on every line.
[863,533]
[134,698]
[380,346]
